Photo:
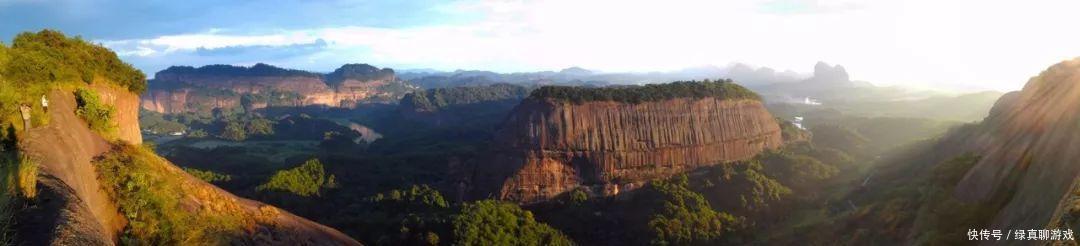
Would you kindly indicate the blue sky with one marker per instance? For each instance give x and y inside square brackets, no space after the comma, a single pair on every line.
[960,44]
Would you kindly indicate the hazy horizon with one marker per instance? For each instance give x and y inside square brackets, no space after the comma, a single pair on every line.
[918,44]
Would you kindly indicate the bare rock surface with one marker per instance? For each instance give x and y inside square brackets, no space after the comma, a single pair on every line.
[547,147]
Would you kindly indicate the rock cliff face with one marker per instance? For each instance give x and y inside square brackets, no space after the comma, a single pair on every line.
[65,149]
[127,111]
[547,147]
[1028,146]
[187,89]
[73,208]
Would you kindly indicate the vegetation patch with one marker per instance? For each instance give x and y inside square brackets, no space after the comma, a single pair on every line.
[208,176]
[18,184]
[685,217]
[305,180]
[50,57]
[417,215]
[148,194]
[27,169]
[433,100]
[490,222]
[98,115]
[722,89]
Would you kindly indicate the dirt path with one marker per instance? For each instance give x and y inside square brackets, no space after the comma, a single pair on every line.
[65,148]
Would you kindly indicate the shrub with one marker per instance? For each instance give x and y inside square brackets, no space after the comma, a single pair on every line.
[259,126]
[304,180]
[27,177]
[208,176]
[419,196]
[490,222]
[198,133]
[50,57]
[578,197]
[18,176]
[417,215]
[148,194]
[8,196]
[234,131]
[97,114]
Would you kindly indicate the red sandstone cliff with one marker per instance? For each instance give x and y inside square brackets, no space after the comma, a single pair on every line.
[547,147]
[178,90]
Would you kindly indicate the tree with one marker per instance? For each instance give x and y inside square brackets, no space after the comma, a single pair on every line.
[490,222]
[234,131]
[304,180]
[578,197]
[684,217]
[198,133]
[417,215]
[260,126]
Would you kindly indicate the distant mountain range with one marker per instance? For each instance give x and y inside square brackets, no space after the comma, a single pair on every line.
[189,89]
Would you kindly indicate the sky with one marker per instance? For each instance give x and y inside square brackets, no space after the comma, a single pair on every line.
[963,45]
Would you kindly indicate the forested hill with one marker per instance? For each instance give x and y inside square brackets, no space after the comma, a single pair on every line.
[435,99]
[722,89]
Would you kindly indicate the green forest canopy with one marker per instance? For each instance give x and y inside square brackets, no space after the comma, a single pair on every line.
[435,99]
[723,89]
[48,56]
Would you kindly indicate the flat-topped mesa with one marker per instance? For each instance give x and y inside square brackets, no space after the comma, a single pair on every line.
[351,75]
[183,89]
[616,138]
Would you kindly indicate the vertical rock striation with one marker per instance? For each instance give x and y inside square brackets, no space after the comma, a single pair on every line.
[547,147]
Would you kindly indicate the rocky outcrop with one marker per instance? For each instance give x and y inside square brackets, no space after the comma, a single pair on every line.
[547,147]
[127,110]
[65,148]
[1028,146]
[74,209]
[265,224]
[187,89]
[59,217]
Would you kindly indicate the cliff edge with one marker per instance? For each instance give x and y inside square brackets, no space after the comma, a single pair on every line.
[552,143]
[1028,145]
[85,214]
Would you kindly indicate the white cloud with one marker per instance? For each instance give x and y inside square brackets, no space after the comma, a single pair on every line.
[959,44]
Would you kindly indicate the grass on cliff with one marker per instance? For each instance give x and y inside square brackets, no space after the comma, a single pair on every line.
[18,183]
[98,115]
[723,89]
[208,176]
[37,62]
[148,194]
